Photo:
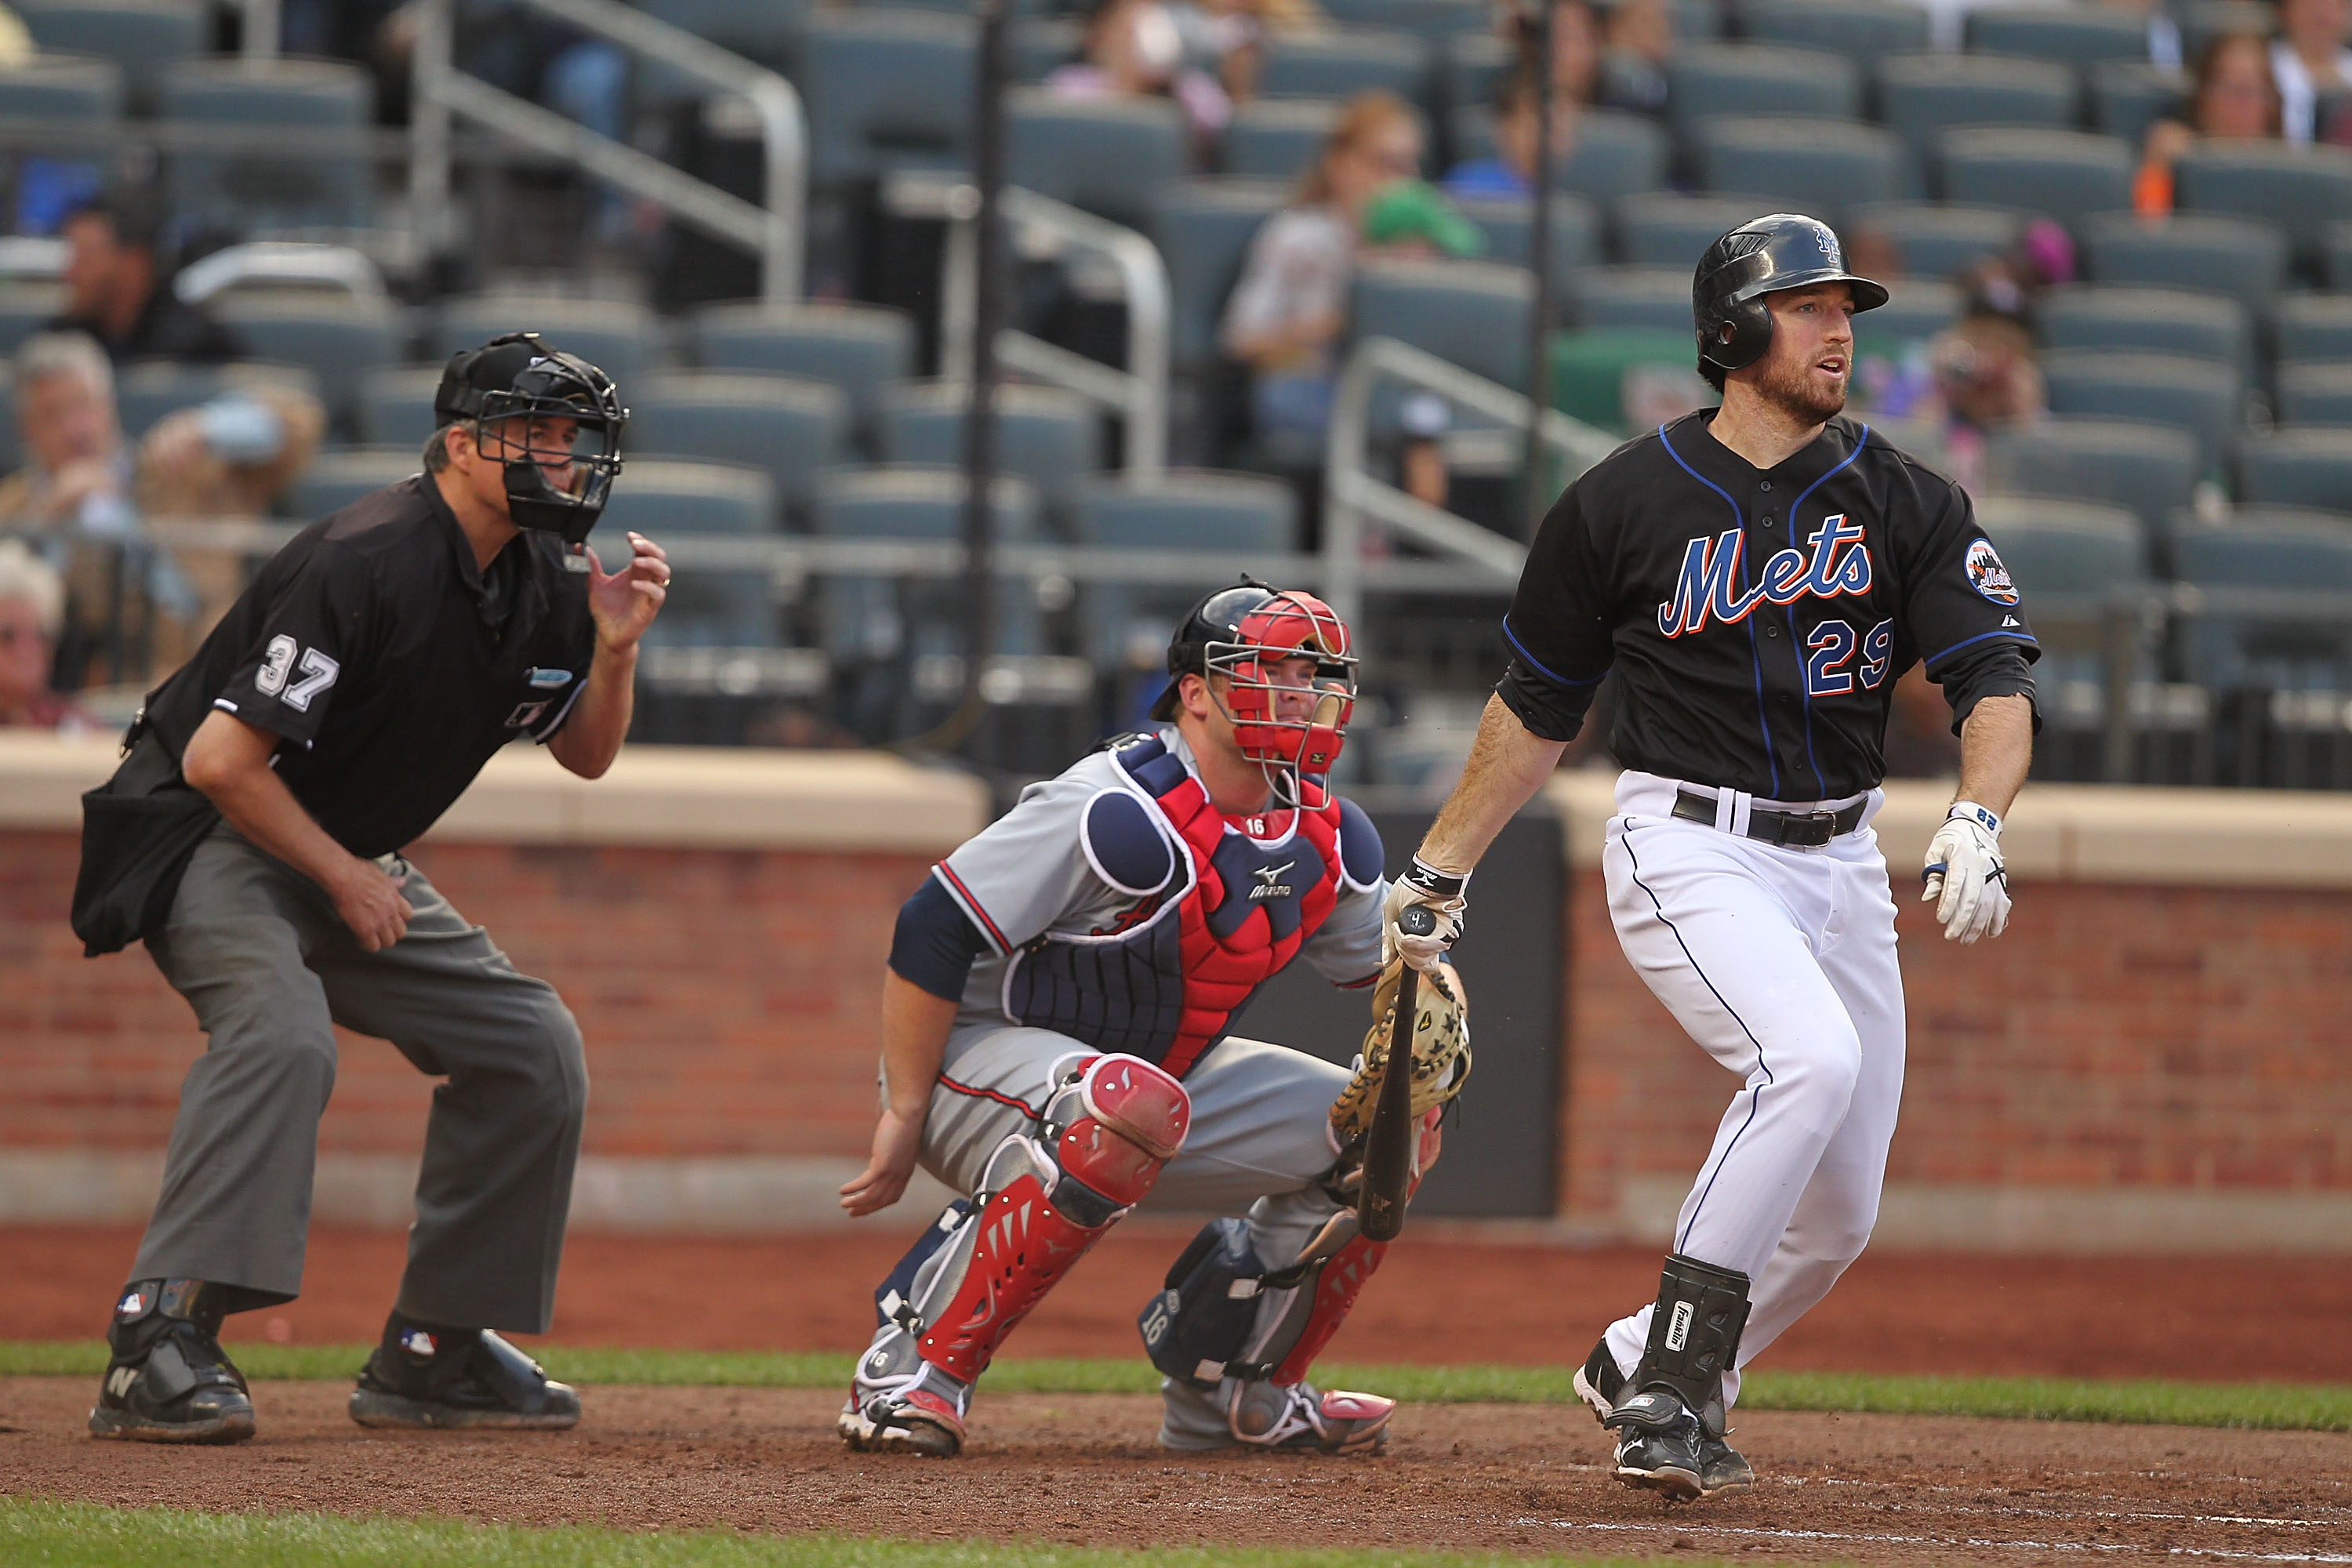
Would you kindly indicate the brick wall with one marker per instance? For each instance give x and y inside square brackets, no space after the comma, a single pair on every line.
[729,1000]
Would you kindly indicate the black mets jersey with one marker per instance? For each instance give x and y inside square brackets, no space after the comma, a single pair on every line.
[1757,619]
[391,666]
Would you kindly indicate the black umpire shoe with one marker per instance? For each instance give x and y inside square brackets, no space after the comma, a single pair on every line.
[426,1377]
[168,1380]
[1664,1448]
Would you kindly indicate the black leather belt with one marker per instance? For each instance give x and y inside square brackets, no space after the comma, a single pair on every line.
[1804,829]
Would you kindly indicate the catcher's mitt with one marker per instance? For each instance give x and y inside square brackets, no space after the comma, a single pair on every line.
[1440,1047]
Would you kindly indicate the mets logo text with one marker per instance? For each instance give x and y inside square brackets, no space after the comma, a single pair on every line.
[1711,576]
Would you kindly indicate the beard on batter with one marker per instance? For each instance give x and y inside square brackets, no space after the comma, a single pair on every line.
[1791,387]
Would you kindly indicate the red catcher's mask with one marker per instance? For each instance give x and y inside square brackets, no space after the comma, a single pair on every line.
[1277,719]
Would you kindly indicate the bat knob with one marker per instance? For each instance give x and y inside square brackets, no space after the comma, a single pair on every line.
[1418,921]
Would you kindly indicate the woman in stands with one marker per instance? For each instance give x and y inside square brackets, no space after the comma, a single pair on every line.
[2311,64]
[1286,314]
[2234,97]
[1134,49]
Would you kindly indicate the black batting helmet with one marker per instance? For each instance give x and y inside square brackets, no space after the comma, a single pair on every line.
[1783,250]
[518,376]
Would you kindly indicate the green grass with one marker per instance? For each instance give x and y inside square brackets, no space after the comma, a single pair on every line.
[82,1535]
[2283,1406]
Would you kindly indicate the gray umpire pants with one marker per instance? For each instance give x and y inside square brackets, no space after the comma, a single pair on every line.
[259,953]
[1260,1145]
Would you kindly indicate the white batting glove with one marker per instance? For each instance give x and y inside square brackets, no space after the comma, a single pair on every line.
[1440,892]
[1965,878]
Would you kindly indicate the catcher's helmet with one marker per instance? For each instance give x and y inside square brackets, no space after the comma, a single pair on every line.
[1237,633]
[1783,250]
[517,376]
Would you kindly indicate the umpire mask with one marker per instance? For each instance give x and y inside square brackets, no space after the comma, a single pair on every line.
[513,391]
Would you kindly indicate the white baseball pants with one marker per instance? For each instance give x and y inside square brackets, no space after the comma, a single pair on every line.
[1780,964]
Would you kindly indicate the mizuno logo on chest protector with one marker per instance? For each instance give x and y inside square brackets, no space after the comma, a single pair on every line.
[1709,583]
[1268,886]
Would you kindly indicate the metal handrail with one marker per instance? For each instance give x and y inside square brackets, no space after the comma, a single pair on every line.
[775,230]
[277,262]
[1351,494]
[260,29]
[1138,395]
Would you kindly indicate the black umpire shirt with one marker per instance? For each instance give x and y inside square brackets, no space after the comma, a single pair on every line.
[391,666]
[1757,618]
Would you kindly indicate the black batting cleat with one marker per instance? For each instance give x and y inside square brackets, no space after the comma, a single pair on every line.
[426,1377]
[168,1380]
[1598,1384]
[1663,1448]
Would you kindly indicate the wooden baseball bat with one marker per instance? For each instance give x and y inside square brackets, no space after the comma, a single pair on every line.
[1388,1145]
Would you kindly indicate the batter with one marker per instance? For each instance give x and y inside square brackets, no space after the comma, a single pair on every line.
[1756,576]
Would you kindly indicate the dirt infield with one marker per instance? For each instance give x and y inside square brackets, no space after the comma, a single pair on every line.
[1083,1470]
[1447,1294]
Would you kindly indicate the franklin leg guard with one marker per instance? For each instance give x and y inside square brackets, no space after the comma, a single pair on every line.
[1670,1424]
[1111,1124]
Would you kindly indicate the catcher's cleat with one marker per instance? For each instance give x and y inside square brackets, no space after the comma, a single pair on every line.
[1262,1414]
[1663,1448]
[1598,1384]
[438,1378]
[168,1380]
[910,1420]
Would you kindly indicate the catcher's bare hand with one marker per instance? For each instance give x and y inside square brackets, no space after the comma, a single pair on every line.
[1439,892]
[897,1140]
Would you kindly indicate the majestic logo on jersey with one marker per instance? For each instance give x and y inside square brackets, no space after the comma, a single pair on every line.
[1988,576]
[1267,885]
[1711,574]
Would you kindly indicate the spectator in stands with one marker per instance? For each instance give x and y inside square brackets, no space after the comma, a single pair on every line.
[1510,174]
[2310,62]
[1985,379]
[119,288]
[1575,45]
[32,613]
[1227,37]
[2163,32]
[1133,49]
[2234,96]
[1286,311]
[1637,40]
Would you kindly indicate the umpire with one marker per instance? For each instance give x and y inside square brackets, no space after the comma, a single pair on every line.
[348,698]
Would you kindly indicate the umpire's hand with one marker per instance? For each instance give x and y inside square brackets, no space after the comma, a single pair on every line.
[368,897]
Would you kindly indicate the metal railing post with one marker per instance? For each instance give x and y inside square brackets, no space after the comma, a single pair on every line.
[428,128]
[259,29]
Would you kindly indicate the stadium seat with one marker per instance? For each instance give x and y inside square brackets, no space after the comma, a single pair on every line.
[1510,230]
[768,33]
[2301,189]
[1043,45]
[1936,241]
[915,502]
[859,348]
[142,36]
[793,428]
[1473,313]
[1640,297]
[2074,34]
[2313,326]
[1276,138]
[1707,80]
[2078,549]
[1862,30]
[61,88]
[866,617]
[1246,519]
[2315,392]
[146,390]
[336,479]
[2225,650]
[1433,20]
[1667,229]
[1343,62]
[338,338]
[1472,70]
[2239,257]
[2146,467]
[1616,153]
[26,309]
[1824,167]
[395,405]
[1203,229]
[2163,321]
[888,89]
[708,607]
[1107,156]
[2202,21]
[253,190]
[2129,96]
[1050,437]
[1592,367]
[2306,465]
[1916,309]
[2061,174]
[2201,396]
[614,335]
[2337,239]
[1921,96]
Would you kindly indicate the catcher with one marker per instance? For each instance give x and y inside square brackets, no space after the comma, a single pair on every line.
[1054,1047]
